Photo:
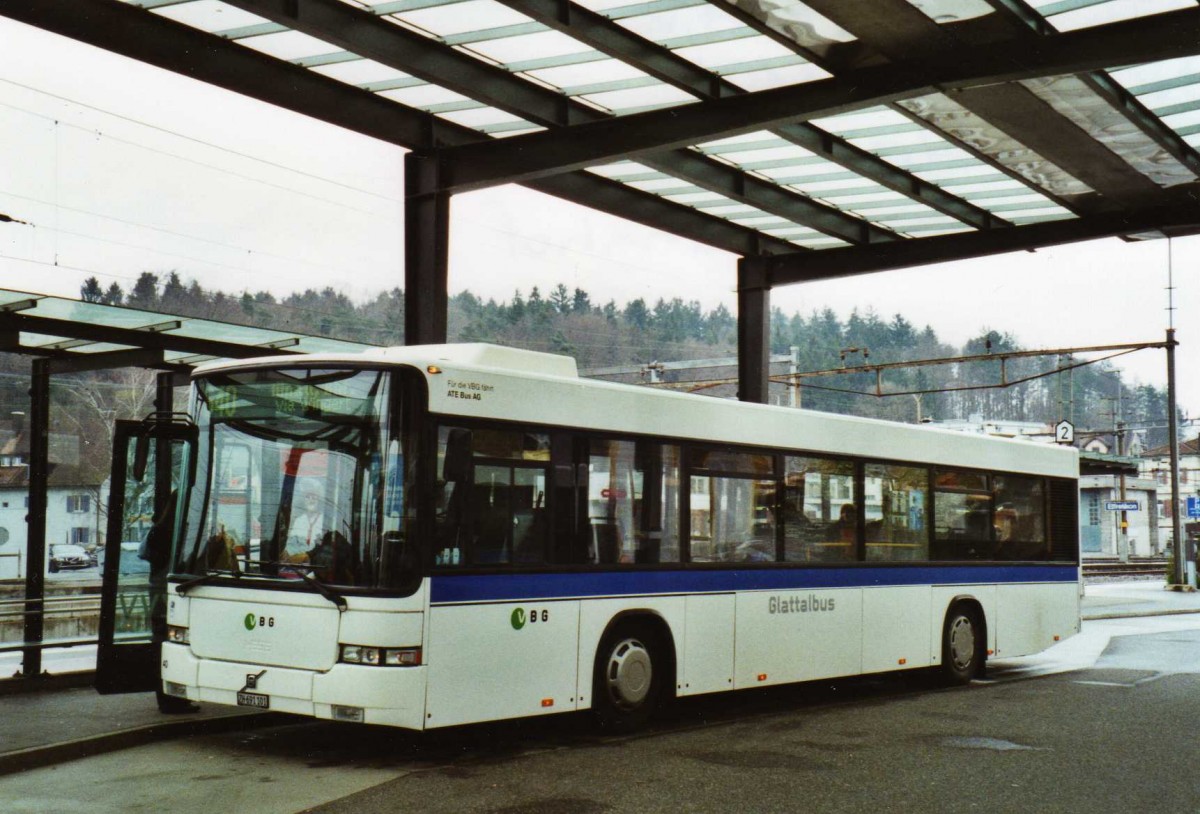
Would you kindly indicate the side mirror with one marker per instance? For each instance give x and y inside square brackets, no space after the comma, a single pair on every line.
[458,466]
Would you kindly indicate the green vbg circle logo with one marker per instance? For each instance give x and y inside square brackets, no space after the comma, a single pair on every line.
[518,618]
[249,621]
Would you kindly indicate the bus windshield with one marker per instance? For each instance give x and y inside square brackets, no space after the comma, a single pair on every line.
[303,474]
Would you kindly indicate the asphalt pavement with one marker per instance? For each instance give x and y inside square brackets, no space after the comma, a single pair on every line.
[41,728]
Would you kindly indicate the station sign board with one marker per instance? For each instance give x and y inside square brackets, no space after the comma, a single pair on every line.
[1121,505]
[1064,432]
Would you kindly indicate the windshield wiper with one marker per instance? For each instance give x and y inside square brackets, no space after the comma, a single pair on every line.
[324,590]
[183,587]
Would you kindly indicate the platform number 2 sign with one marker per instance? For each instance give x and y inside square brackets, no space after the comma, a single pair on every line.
[1064,432]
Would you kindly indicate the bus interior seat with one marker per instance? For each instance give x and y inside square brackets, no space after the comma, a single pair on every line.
[529,535]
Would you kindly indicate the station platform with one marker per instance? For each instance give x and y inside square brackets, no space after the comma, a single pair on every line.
[48,727]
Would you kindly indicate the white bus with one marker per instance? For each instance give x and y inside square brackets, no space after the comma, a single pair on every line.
[428,536]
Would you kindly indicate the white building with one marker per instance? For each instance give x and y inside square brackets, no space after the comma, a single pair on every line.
[1156,466]
[1100,533]
[73,510]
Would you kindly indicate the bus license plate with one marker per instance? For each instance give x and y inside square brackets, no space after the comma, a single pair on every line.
[254,699]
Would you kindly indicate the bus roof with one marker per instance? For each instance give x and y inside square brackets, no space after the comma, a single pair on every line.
[485,381]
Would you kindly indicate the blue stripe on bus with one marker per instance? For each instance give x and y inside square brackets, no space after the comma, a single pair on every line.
[446,589]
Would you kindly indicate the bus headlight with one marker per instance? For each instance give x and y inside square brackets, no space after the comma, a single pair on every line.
[177,634]
[380,656]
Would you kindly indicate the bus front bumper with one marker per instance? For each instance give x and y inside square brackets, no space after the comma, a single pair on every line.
[389,696]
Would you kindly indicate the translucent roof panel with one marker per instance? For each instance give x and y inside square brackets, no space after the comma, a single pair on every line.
[796,21]
[953,11]
[1071,97]
[209,15]
[771,77]
[1170,89]
[362,72]
[287,45]
[950,117]
[543,61]
[1071,15]
[449,19]
[682,22]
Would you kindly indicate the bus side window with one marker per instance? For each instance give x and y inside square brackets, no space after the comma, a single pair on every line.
[453,516]
[633,502]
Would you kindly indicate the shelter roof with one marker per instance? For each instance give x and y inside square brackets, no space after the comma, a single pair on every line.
[92,335]
[836,136]
[1098,463]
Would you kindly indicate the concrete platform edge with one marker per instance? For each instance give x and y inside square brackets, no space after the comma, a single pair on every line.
[38,756]
[1089,617]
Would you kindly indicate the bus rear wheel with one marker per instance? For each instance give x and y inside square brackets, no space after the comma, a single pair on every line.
[962,645]
[628,677]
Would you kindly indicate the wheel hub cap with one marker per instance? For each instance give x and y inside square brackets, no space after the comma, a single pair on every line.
[962,642]
[629,673]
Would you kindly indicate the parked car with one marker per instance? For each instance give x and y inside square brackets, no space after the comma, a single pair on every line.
[68,556]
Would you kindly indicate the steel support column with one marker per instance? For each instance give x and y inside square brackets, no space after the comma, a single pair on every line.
[35,560]
[164,405]
[426,250]
[754,330]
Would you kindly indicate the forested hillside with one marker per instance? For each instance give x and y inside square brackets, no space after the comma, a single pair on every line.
[610,334]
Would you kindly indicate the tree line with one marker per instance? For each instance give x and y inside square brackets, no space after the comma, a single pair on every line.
[569,321]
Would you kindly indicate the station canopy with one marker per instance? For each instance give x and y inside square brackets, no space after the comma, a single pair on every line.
[87,336]
[830,137]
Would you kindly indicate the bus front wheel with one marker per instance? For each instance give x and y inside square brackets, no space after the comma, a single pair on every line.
[962,645]
[628,678]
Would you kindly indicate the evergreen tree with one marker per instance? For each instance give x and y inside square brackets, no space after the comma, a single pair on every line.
[114,295]
[174,294]
[91,291]
[637,315]
[145,292]
[560,299]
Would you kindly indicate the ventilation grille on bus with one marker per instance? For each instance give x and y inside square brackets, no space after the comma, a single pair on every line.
[1064,521]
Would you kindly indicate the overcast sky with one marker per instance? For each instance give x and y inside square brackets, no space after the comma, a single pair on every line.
[120,168]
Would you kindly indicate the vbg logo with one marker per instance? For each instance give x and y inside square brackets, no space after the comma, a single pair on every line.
[251,621]
[519,617]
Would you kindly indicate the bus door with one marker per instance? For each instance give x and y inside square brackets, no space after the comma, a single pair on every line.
[148,474]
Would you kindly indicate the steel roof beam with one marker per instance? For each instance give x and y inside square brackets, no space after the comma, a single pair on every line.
[133,337]
[1154,38]
[904,34]
[366,34]
[164,43]
[1025,20]
[838,58]
[84,362]
[1183,219]
[607,37]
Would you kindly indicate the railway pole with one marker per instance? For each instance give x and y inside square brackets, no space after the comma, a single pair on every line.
[1181,570]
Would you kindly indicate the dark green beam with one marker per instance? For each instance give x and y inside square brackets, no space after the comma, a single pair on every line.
[1177,220]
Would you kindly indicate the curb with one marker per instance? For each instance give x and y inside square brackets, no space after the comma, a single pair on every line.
[36,757]
[1137,614]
